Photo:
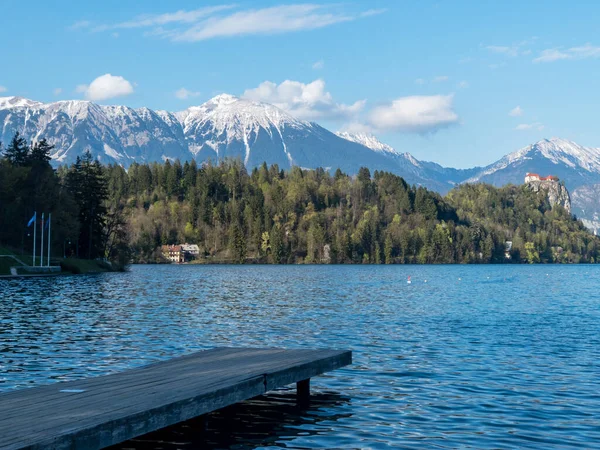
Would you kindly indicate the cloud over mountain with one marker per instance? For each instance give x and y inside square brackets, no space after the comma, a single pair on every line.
[308,101]
[105,87]
[416,114]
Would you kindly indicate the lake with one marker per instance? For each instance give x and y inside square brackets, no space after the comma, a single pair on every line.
[464,356]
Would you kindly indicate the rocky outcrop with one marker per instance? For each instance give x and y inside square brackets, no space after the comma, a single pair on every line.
[557,192]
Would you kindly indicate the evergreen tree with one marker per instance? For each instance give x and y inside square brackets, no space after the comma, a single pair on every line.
[40,152]
[88,186]
[17,152]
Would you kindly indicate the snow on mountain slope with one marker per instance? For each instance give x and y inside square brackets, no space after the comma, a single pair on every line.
[368,140]
[428,174]
[577,166]
[227,126]
[115,134]
[231,127]
[223,127]
[573,163]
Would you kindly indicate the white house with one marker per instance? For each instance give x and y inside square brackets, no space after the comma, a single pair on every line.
[191,249]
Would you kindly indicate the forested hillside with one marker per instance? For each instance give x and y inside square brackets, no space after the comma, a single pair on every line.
[275,216]
[313,217]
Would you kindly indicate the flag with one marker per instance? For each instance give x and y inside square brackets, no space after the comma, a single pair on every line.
[47,223]
[32,219]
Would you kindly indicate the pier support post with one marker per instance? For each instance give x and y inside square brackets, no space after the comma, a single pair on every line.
[303,392]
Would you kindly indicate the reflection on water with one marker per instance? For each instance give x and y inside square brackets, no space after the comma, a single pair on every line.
[480,356]
[268,420]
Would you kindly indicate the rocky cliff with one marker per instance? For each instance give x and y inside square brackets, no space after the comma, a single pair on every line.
[557,192]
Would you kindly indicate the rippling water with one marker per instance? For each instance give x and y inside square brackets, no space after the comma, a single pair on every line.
[465,356]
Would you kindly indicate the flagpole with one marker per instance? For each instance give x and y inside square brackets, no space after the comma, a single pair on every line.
[42,244]
[34,236]
[49,229]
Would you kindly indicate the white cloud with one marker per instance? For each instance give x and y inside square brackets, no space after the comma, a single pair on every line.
[155,20]
[463,84]
[221,21]
[516,112]
[556,54]
[417,114]
[183,94]
[504,50]
[80,24]
[530,126]
[273,20]
[57,91]
[441,78]
[3,89]
[373,12]
[420,81]
[357,128]
[104,87]
[513,50]
[306,101]
[318,65]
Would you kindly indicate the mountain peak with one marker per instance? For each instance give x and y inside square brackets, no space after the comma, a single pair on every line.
[554,141]
[17,102]
[223,99]
[368,140]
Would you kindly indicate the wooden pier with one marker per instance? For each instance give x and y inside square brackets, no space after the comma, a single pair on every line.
[102,411]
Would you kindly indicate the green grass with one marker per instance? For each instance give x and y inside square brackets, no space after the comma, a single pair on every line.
[6,262]
[5,265]
[25,258]
[77,266]
[69,265]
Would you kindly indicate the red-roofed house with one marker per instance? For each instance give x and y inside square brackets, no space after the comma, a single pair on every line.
[535,177]
[173,253]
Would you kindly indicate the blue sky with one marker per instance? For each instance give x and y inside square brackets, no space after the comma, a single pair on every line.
[458,82]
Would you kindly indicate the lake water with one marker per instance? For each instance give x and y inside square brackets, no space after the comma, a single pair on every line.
[465,356]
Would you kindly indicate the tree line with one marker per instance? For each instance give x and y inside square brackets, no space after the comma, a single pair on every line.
[269,215]
[77,196]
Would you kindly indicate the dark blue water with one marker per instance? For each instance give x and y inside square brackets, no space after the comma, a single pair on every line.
[465,356]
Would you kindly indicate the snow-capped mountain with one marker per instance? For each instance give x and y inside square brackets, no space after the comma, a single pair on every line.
[574,164]
[223,127]
[370,141]
[117,134]
[428,174]
[577,166]
[232,127]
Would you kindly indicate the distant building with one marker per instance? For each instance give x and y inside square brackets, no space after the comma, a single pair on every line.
[507,249]
[180,253]
[191,249]
[535,177]
[173,253]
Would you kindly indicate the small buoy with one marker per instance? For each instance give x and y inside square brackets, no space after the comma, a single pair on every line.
[408,281]
[459,279]
[425,281]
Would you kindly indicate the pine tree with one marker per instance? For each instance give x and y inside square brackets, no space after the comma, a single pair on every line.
[88,186]
[40,152]
[17,152]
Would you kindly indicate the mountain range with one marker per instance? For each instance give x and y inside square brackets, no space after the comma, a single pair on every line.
[232,127]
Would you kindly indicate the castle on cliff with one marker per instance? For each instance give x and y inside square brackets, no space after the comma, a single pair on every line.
[535,177]
[556,192]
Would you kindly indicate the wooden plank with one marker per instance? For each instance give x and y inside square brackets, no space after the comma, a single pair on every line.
[102,411]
